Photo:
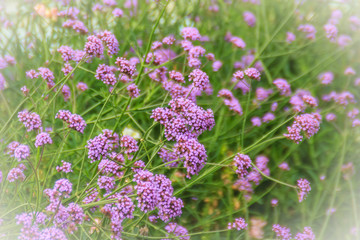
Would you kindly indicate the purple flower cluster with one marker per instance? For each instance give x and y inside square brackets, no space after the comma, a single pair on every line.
[94,47]
[262,93]
[15,174]
[307,234]
[117,212]
[343,98]
[67,54]
[249,18]
[73,120]
[19,151]
[238,224]
[106,74]
[308,123]
[42,139]
[309,29]
[125,66]
[31,120]
[102,144]
[184,119]
[283,86]
[242,162]
[77,25]
[190,33]
[282,232]
[133,90]
[82,86]
[110,41]
[304,188]
[66,167]
[183,122]
[326,78]
[107,183]
[129,144]
[175,230]
[230,101]
[199,78]
[156,191]
[176,76]
[168,156]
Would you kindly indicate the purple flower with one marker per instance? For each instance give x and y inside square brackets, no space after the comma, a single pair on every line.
[190,33]
[309,29]
[216,65]
[238,224]
[281,232]
[176,76]
[268,117]
[169,40]
[249,18]
[52,233]
[94,47]
[107,183]
[194,155]
[74,121]
[110,41]
[106,74]
[66,92]
[133,90]
[101,145]
[253,73]
[15,174]
[168,156]
[66,167]
[304,188]
[326,78]
[242,162]
[66,52]
[125,66]
[31,120]
[274,202]
[238,42]
[256,121]
[82,86]
[129,143]
[284,166]
[290,37]
[200,79]
[283,86]
[22,152]
[262,93]
[308,123]
[307,234]
[117,12]
[230,101]
[178,231]
[64,187]
[42,139]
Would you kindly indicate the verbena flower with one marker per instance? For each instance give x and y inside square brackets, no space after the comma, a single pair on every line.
[42,139]
[242,162]
[281,232]
[304,188]
[238,224]
[31,120]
